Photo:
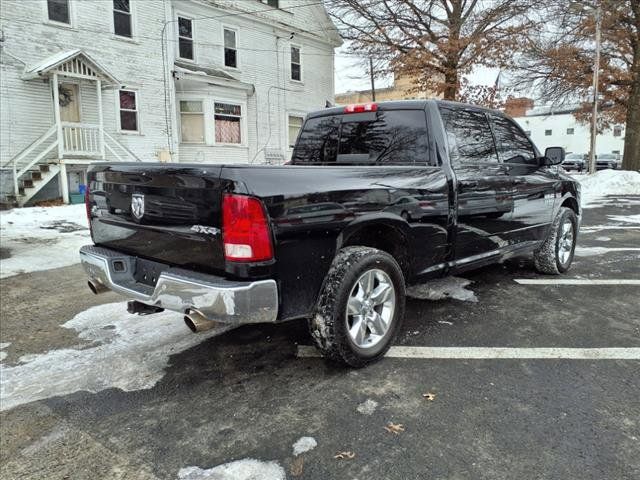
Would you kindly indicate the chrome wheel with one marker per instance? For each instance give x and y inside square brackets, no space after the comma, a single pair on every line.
[565,241]
[370,308]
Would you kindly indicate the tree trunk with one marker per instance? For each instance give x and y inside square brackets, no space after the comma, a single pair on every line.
[451,85]
[631,159]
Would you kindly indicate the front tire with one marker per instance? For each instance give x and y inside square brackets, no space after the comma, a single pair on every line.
[361,307]
[556,253]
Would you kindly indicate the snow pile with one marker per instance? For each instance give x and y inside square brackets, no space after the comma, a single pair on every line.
[41,238]
[127,351]
[304,444]
[608,182]
[367,407]
[245,469]
[443,288]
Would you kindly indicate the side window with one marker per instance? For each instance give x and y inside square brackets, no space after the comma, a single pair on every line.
[513,145]
[296,64]
[230,50]
[58,11]
[122,22]
[469,135]
[185,38]
[128,111]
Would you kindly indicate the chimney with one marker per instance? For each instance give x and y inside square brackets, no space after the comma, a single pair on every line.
[517,107]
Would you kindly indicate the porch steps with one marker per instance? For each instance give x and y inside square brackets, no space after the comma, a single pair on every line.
[33,181]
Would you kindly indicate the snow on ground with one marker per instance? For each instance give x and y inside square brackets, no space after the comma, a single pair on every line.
[3,345]
[245,469]
[304,444]
[367,407]
[625,218]
[607,182]
[41,238]
[591,251]
[127,351]
[443,288]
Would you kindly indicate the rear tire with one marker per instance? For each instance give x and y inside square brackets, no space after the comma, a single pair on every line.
[556,253]
[360,308]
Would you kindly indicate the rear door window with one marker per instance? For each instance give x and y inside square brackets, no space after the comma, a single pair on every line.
[383,137]
[513,145]
[469,135]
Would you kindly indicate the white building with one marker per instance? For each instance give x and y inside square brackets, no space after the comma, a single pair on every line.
[154,80]
[559,128]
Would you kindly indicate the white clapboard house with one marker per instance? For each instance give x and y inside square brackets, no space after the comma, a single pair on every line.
[154,80]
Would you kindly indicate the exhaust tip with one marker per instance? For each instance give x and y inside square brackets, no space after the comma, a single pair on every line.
[197,322]
[96,287]
[190,324]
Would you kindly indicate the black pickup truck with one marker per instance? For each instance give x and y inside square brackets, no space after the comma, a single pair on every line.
[376,196]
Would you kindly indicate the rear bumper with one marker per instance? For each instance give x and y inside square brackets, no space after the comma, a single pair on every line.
[183,290]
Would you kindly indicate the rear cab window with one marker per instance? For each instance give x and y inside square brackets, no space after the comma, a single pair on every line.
[393,137]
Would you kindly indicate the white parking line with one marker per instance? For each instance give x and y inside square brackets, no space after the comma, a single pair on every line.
[576,281]
[488,353]
[607,227]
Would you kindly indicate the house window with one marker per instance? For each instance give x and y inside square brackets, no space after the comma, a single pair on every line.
[192,121]
[617,131]
[230,51]
[128,111]
[271,3]
[122,18]
[296,64]
[295,124]
[185,38]
[58,11]
[547,133]
[570,131]
[228,123]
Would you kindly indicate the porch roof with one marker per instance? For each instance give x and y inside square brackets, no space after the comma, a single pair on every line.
[71,63]
[209,76]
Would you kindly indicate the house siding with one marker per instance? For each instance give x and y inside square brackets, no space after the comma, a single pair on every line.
[27,110]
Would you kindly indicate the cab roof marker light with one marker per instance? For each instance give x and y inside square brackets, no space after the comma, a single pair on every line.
[361,108]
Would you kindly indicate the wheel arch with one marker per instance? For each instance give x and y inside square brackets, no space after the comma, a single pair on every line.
[387,233]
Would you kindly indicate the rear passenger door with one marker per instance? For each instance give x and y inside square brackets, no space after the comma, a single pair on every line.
[484,191]
[533,185]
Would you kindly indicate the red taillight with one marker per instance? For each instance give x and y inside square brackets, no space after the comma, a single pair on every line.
[363,107]
[245,230]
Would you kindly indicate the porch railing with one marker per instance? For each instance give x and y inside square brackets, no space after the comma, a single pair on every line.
[81,139]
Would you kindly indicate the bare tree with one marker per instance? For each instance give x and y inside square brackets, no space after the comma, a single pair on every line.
[558,62]
[434,42]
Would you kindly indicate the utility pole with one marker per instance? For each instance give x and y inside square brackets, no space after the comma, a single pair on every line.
[594,115]
[373,83]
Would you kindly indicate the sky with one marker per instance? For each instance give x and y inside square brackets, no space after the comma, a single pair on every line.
[351,74]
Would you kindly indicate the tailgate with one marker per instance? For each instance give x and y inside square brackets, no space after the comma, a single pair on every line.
[164,213]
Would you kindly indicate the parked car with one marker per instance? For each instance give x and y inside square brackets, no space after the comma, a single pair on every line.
[325,238]
[575,161]
[606,160]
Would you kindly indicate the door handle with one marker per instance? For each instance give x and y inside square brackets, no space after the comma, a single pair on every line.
[468,184]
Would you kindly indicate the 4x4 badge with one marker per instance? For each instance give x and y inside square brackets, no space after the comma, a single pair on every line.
[137,205]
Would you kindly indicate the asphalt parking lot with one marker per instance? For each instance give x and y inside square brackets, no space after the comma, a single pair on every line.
[206,401]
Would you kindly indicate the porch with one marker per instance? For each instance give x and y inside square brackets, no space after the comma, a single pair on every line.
[77,135]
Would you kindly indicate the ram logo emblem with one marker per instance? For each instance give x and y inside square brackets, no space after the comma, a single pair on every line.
[137,205]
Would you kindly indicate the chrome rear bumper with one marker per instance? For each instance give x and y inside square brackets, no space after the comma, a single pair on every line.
[183,290]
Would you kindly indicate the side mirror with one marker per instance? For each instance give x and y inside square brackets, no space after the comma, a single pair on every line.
[554,155]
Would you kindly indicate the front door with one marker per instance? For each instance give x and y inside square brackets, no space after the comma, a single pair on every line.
[533,185]
[69,99]
[485,193]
